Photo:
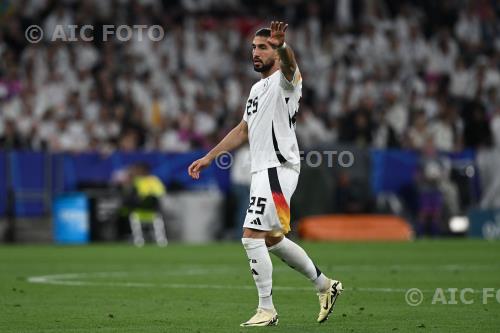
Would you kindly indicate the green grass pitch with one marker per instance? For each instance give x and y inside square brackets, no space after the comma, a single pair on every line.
[208,288]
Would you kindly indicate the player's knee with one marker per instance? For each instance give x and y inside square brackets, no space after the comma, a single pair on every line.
[253,233]
[273,240]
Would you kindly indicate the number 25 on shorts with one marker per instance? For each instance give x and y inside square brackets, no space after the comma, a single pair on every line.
[258,202]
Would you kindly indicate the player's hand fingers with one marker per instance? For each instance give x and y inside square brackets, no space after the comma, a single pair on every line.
[285,27]
[193,168]
[197,167]
[280,26]
[273,26]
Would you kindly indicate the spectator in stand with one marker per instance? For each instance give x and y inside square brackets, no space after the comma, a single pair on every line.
[495,128]
[447,131]
[477,132]
[240,187]
[418,135]
[430,202]
[11,139]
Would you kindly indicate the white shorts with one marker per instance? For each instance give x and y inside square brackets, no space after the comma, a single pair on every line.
[270,194]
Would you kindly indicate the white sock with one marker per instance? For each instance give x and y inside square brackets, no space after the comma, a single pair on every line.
[295,257]
[261,268]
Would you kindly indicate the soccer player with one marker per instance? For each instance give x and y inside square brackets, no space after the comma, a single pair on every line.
[269,126]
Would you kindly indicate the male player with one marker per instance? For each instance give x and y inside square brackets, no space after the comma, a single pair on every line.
[269,126]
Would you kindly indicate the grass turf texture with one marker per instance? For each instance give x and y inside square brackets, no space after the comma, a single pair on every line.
[143,290]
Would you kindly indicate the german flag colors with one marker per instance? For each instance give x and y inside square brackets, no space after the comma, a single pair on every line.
[280,203]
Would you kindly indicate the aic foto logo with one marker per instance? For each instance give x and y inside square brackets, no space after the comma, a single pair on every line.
[453,296]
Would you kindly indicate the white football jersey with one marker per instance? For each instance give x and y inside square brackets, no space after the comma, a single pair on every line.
[270,113]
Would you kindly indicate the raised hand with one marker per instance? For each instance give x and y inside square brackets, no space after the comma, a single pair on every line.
[277,34]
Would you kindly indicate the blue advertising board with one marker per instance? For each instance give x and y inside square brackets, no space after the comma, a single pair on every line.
[484,223]
[71,219]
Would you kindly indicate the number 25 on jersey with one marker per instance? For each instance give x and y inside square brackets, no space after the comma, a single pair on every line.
[252,105]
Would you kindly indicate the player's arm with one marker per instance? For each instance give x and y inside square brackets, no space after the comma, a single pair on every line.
[285,52]
[232,140]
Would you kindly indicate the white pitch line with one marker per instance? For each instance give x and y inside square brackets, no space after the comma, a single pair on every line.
[67,280]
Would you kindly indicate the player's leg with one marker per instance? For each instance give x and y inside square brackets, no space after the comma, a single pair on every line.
[295,257]
[255,229]
[260,265]
[283,182]
[262,270]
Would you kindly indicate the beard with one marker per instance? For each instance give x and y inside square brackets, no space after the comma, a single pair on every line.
[264,67]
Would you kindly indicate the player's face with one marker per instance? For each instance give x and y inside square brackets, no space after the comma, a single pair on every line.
[263,55]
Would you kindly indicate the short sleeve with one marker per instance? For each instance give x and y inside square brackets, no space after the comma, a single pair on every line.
[291,85]
[245,115]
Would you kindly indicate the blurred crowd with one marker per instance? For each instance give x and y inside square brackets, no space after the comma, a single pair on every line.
[386,74]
